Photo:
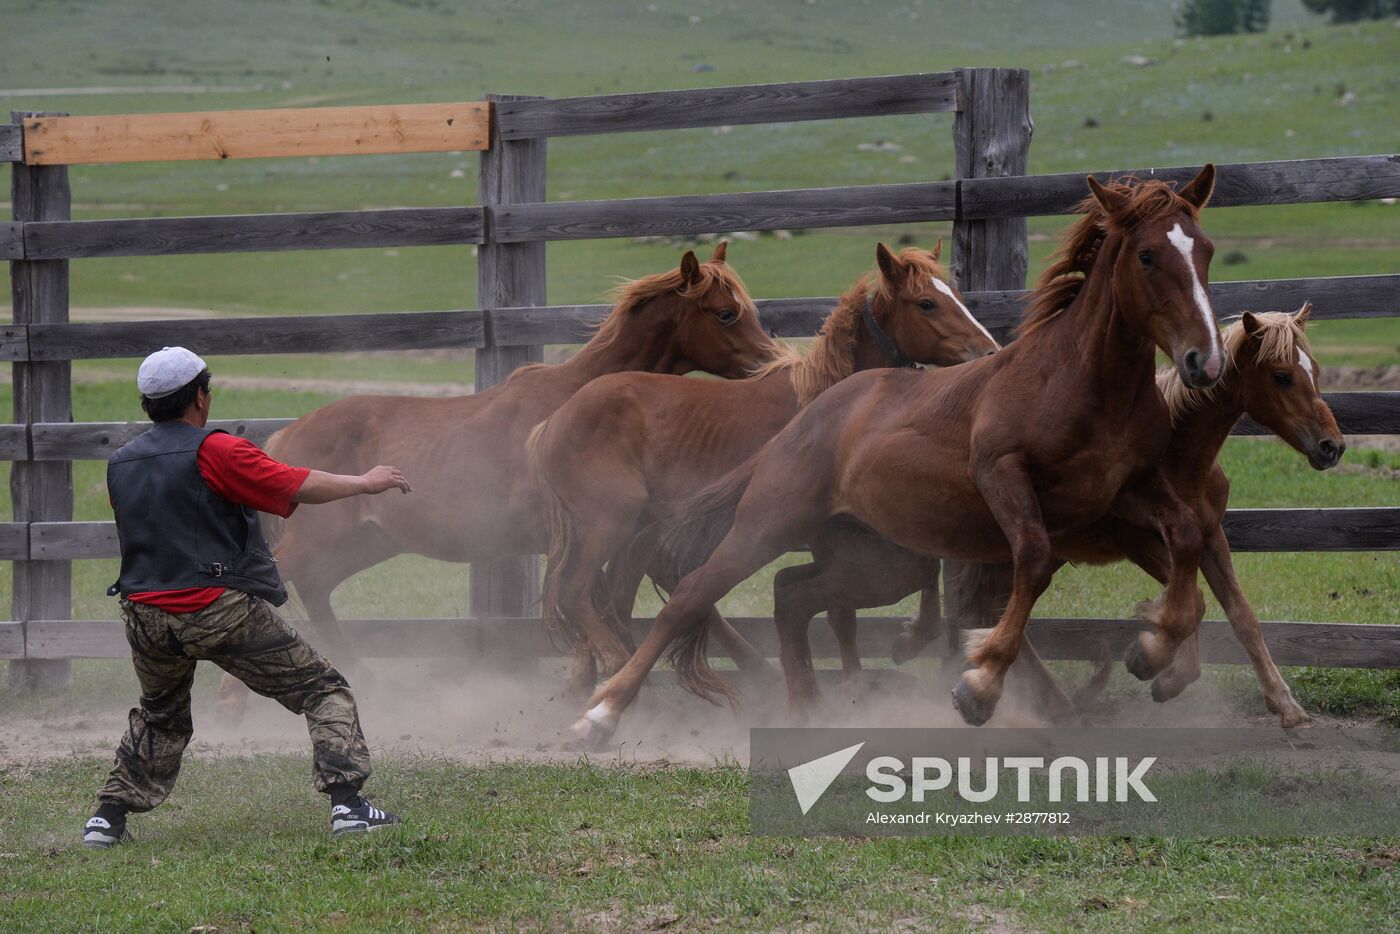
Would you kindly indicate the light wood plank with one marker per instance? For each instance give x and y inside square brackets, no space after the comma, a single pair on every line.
[255,134]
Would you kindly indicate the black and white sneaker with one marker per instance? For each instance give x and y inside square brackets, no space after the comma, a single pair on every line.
[362,818]
[102,833]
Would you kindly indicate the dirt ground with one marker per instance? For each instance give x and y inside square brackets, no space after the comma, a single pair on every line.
[427,707]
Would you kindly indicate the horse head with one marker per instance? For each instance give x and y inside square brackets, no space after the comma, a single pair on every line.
[1278,382]
[1160,260]
[924,316]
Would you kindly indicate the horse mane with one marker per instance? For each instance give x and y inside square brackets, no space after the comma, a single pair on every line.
[1146,199]
[631,294]
[833,354]
[1280,339]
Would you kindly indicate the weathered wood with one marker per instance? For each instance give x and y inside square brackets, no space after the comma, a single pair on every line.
[67,540]
[11,142]
[97,440]
[1352,178]
[991,138]
[255,134]
[269,335]
[14,541]
[752,210]
[11,240]
[759,103]
[42,393]
[14,342]
[14,443]
[11,640]
[1340,645]
[1357,413]
[508,275]
[254,233]
[1362,529]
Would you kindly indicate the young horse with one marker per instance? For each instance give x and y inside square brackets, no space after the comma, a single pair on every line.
[1272,379]
[629,442]
[993,459]
[472,498]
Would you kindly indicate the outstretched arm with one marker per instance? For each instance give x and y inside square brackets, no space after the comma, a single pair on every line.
[322,487]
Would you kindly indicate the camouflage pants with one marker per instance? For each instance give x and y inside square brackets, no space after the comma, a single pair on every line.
[243,636]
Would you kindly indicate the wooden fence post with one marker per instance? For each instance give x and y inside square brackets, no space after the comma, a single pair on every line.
[43,392]
[991,138]
[508,275]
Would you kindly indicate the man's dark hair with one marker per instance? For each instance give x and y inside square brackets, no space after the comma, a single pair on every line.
[168,408]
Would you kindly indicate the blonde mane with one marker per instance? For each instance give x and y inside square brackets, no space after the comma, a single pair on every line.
[1280,338]
[833,354]
[1062,280]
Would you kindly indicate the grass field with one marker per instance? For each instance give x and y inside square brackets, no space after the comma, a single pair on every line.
[603,844]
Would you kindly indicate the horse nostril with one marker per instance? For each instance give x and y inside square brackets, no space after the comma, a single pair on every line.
[1192,362]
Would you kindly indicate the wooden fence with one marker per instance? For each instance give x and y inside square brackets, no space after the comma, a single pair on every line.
[987,202]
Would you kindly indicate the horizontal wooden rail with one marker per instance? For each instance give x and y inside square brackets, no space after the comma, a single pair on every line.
[1351,178]
[61,441]
[750,210]
[253,233]
[701,107]
[11,240]
[257,134]
[1367,413]
[270,335]
[11,142]
[1347,529]
[1347,645]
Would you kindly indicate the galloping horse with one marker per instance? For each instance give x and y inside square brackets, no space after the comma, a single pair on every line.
[1272,379]
[988,461]
[629,442]
[466,454]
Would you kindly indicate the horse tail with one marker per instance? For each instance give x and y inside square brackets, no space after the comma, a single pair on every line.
[977,594]
[561,524]
[693,530]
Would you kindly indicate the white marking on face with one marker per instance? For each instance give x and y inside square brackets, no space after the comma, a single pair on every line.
[1308,365]
[947,290]
[1185,245]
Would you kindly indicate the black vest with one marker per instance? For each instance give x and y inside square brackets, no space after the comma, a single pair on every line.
[175,532]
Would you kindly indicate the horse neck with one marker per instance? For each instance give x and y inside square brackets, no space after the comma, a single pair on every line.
[835,355]
[1200,432]
[1108,353]
[641,343]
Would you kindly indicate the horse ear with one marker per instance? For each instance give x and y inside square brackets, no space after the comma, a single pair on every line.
[1251,324]
[1198,190]
[937,251]
[890,268]
[1300,317]
[690,268]
[720,249]
[1112,202]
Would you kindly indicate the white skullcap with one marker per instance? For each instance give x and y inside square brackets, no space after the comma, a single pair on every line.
[167,370]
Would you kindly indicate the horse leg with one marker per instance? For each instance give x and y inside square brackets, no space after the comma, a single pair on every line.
[1006,488]
[758,536]
[918,633]
[747,658]
[576,589]
[1149,552]
[794,605]
[1220,575]
[1152,503]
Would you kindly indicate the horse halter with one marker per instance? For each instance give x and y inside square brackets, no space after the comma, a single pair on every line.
[882,340]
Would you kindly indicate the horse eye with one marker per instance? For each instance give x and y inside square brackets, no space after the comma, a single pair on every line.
[727,316]
[1283,379]
[926,304]
[1145,257]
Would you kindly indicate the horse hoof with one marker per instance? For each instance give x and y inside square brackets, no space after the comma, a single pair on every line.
[974,711]
[589,735]
[1137,663]
[1163,691]
[905,648]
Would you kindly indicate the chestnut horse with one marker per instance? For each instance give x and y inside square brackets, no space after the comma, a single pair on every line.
[628,442]
[1273,378]
[466,455]
[988,461]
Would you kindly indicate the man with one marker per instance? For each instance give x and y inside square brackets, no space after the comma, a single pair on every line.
[199,582]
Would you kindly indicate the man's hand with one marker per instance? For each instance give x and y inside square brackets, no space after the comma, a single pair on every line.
[383,478]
